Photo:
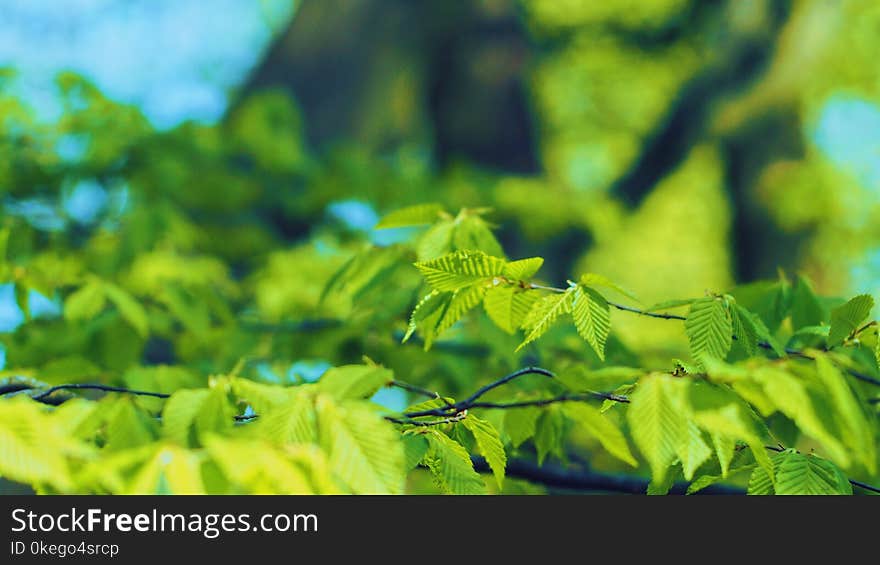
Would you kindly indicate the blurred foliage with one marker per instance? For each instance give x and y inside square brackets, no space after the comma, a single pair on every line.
[246,272]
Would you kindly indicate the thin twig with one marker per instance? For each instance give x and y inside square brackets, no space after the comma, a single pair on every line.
[105,388]
[864,486]
[661,315]
[414,388]
[553,400]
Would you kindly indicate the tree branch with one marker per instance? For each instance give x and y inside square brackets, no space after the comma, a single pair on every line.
[105,388]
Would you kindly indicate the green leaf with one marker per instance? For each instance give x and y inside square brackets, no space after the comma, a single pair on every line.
[32,450]
[603,429]
[692,449]
[591,318]
[807,474]
[655,424]
[472,233]
[415,446]
[762,479]
[451,465]
[436,241]
[189,414]
[363,449]
[704,481]
[293,421]
[86,302]
[460,303]
[544,313]
[857,431]
[169,470]
[129,308]
[523,269]
[489,444]
[419,214]
[520,424]
[847,318]
[128,426]
[744,330]
[662,487]
[508,306]
[709,329]
[426,314]
[753,331]
[549,432]
[805,307]
[460,269]
[261,397]
[791,396]
[594,280]
[354,381]
[721,412]
[725,448]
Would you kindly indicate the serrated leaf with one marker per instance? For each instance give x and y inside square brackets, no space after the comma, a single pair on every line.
[544,313]
[709,329]
[460,303]
[427,312]
[129,308]
[293,421]
[460,269]
[523,269]
[86,302]
[520,424]
[845,319]
[762,479]
[189,414]
[594,280]
[655,424]
[451,465]
[489,444]
[603,429]
[755,330]
[419,214]
[508,306]
[591,318]
[800,474]
[744,330]
[363,449]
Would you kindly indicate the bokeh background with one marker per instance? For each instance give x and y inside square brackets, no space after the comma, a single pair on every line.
[672,145]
